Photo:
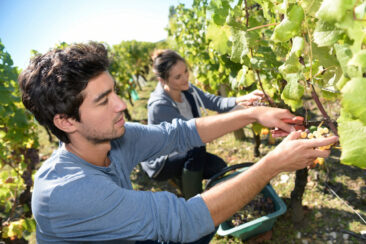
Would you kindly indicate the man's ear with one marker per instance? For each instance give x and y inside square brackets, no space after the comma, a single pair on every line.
[64,123]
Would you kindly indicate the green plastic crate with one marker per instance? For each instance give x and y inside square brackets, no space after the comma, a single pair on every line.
[257,226]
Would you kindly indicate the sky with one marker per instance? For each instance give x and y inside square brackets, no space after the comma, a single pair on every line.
[41,24]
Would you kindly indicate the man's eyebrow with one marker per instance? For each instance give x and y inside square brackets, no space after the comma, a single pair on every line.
[101,96]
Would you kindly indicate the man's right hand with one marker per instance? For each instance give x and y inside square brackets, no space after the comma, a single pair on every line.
[273,117]
[294,153]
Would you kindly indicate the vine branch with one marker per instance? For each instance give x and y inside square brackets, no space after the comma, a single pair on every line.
[314,95]
[326,117]
[265,94]
[261,26]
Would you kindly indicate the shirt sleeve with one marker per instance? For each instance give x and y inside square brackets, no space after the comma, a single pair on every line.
[144,142]
[95,208]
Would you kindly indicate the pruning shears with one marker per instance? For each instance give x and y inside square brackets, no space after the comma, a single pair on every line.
[297,122]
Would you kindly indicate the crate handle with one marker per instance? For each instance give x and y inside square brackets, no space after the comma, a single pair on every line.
[225,170]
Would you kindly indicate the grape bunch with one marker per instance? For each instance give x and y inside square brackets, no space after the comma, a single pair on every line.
[258,207]
[317,132]
[313,132]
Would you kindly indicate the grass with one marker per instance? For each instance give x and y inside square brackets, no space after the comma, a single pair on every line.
[324,212]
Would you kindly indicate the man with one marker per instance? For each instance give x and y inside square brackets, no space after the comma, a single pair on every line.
[83,191]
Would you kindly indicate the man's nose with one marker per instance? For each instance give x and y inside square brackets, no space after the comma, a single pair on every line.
[119,105]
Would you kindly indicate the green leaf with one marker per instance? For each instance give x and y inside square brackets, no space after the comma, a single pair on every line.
[326,34]
[293,92]
[5,95]
[290,26]
[354,29]
[292,65]
[245,77]
[344,54]
[310,6]
[354,99]
[240,78]
[219,37]
[240,45]
[19,118]
[323,54]
[298,44]
[220,10]
[360,11]
[359,60]
[334,10]
[341,82]
[352,140]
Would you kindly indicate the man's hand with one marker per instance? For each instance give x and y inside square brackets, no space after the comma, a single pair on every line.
[273,117]
[294,153]
[249,99]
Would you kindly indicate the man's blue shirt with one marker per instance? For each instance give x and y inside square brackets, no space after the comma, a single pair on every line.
[74,200]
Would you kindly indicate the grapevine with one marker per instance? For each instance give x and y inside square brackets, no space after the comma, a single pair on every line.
[18,157]
[288,49]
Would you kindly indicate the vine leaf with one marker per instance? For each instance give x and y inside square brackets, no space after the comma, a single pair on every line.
[326,34]
[359,60]
[352,140]
[244,77]
[354,29]
[344,54]
[219,37]
[220,11]
[240,46]
[354,100]
[290,25]
[293,91]
[291,71]
[334,10]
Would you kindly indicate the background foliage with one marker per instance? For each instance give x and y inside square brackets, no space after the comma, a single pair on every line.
[290,49]
[18,155]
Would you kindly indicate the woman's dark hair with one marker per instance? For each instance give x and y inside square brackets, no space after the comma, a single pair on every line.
[163,61]
[53,82]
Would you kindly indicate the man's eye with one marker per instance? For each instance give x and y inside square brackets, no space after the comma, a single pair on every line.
[104,102]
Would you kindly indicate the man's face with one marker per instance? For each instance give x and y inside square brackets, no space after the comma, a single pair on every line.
[101,113]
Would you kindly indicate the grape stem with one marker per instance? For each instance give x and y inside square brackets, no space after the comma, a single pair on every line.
[322,110]
[261,85]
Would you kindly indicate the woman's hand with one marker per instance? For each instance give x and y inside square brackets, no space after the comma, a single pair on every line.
[249,99]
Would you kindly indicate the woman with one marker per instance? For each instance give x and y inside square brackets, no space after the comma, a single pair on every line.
[174,97]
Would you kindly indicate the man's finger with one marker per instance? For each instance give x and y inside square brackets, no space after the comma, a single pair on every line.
[284,126]
[322,153]
[320,142]
[293,136]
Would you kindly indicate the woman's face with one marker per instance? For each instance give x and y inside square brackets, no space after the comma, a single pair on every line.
[178,77]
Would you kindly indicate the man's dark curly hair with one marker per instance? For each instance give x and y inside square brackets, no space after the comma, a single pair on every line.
[53,82]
